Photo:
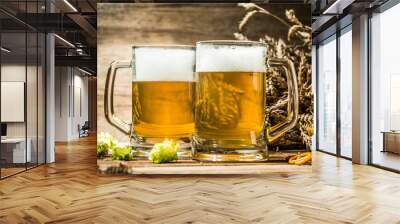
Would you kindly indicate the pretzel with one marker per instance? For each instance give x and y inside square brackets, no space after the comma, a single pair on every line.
[301,159]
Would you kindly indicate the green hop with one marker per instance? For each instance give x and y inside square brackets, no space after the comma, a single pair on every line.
[105,143]
[122,153]
[102,150]
[106,138]
[164,152]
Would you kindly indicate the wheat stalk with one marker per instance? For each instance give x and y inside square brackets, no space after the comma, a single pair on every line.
[296,47]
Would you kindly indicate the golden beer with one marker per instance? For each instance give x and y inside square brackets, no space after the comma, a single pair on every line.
[230,101]
[163,83]
[230,108]
[163,109]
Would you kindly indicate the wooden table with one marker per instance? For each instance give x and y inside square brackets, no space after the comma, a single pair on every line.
[391,141]
[13,150]
[276,164]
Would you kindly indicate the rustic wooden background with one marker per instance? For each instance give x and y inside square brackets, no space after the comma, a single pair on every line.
[120,25]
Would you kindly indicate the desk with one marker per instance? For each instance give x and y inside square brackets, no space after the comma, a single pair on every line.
[391,141]
[16,148]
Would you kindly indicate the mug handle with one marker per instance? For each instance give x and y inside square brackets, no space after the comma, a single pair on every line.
[278,130]
[114,120]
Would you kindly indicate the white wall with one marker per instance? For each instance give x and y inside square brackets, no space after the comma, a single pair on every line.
[71,102]
[12,73]
[62,81]
[80,110]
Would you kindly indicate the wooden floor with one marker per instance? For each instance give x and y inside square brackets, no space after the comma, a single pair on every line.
[70,191]
[386,159]
[11,170]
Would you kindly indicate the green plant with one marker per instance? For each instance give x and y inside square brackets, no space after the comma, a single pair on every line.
[105,143]
[122,153]
[102,150]
[164,152]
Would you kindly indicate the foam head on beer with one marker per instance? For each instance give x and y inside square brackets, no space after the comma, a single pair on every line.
[230,56]
[164,63]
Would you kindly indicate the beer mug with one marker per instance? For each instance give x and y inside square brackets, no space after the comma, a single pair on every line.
[230,119]
[162,97]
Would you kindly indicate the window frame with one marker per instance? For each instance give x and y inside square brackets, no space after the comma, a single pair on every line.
[338,33]
[381,9]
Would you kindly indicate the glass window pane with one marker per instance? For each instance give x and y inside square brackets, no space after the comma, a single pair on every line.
[327,95]
[13,85]
[346,93]
[23,82]
[385,114]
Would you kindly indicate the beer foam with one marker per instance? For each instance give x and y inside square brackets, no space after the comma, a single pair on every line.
[225,57]
[164,63]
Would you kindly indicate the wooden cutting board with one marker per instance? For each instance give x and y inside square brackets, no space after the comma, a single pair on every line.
[191,167]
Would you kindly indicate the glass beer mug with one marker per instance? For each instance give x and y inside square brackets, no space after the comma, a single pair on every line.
[162,97]
[230,119]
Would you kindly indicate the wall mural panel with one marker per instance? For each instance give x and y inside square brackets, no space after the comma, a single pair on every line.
[243,100]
